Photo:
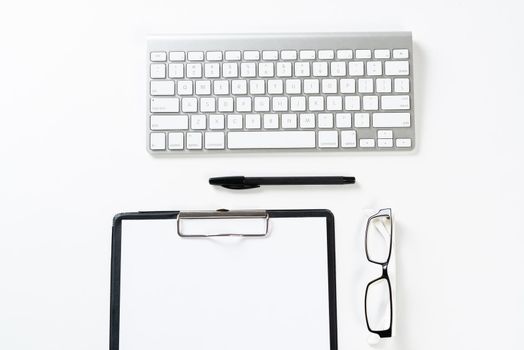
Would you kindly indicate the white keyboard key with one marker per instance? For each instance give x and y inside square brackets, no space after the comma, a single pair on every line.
[311,86]
[203,87]
[385,134]
[239,87]
[230,70]
[194,70]
[194,140]
[338,69]
[253,121]
[176,70]
[232,55]
[361,120]
[320,69]
[176,141]
[289,121]
[162,88]
[234,121]
[365,86]
[158,56]
[344,54]
[257,87]
[212,70]
[248,70]
[395,102]
[326,54]
[261,104]
[275,86]
[307,120]
[362,54]
[157,71]
[214,140]
[302,69]
[214,55]
[169,122]
[352,103]
[221,87]
[403,143]
[383,85]
[298,103]
[367,143]
[216,121]
[402,85]
[266,69]
[164,105]
[325,120]
[251,55]
[271,139]
[374,68]
[270,55]
[348,139]
[397,68]
[391,120]
[334,103]
[177,56]
[243,104]
[195,56]
[288,55]
[328,139]
[157,141]
[343,120]
[356,68]
[401,54]
[382,54]
[184,87]
[293,86]
[198,122]
[370,103]
[284,69]
[316,103]
[189,104]
[307,54]
[271,121]
[225,104]
[385,143]
[329,86]
[347,86]
[280,104]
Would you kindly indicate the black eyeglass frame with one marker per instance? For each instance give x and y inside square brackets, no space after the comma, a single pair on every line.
[386,333]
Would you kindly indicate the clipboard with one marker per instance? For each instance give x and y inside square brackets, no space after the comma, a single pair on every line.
[177,285]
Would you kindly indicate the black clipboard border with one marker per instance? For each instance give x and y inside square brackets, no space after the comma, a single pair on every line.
[116,244]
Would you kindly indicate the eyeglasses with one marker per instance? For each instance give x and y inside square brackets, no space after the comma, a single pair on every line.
[378,302]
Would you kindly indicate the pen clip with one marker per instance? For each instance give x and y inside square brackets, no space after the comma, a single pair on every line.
[240,186]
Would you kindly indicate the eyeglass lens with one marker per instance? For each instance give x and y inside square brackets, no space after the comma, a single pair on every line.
[378,238]
[378,308]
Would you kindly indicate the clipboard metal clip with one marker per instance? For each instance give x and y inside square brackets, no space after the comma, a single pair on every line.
[223,214]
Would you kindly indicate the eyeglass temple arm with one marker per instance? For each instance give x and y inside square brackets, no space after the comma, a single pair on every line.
[380,225]
[383,230]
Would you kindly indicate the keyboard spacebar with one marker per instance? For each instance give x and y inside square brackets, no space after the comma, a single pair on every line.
[270,139]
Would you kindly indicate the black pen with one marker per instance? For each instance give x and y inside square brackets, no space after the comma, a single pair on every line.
[241,182]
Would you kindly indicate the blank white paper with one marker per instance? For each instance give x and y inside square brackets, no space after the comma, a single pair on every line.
[224,293]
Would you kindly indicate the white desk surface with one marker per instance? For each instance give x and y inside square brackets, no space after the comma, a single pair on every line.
[72,154]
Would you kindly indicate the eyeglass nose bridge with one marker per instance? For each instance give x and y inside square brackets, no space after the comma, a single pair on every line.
[385,270]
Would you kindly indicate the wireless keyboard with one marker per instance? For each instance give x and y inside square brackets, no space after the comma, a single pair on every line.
[320,92]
